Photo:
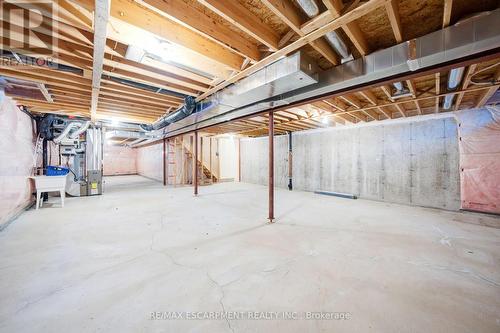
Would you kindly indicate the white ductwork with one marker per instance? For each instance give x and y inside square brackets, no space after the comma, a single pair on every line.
[310,7]
[79,131]
[66,131]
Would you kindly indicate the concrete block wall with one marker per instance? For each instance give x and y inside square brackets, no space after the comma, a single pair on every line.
[407,161]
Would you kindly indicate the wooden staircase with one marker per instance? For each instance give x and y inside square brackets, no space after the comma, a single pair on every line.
[205,175]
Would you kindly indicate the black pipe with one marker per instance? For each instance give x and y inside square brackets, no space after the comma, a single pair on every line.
[44,165]
[143,86]
[185,110]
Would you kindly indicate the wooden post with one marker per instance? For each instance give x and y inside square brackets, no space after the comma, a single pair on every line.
[211,169]
[271,167]
[195,163]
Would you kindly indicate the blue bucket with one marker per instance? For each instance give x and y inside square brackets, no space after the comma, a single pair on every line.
[56,171]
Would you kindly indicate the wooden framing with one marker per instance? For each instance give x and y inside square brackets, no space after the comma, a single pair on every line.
[237,40]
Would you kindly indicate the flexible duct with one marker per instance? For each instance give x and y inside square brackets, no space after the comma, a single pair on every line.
[181,113]
[453,81]
[311,9]
[338,44]
[79,131]
[398,86]
[65,132]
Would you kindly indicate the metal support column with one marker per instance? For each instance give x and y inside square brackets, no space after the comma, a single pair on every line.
[271,167]
[164,163]
[290,157]
[195,163]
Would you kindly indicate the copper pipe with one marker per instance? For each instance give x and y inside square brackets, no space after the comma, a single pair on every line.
[271,167]
[195,163]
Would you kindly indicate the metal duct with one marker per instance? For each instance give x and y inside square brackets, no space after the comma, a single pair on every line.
[309,7]
[285,75]
[456,74]
[94,149]
[338,44]
[478,36]
[454,80]
[127,134]
[398,86]
[181,113]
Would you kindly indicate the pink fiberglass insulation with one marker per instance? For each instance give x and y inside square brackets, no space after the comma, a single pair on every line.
[149,161]
[479,144]
[16,160]
[119,160]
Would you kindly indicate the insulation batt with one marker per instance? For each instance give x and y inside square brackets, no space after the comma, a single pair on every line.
[16,160]
[479,145]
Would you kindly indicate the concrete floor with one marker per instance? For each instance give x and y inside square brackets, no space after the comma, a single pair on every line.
[105,263]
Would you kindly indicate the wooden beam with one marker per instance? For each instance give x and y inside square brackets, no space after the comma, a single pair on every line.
[45,93]
[392,10]
[70,8]
[438,90]
[101,17]
[334,6]
[351,29]
[352,100]
[401,109]
[369,96]
[143,18]
[448,4]
[335,24]
[387,91]
[288,13]
[465,84]
[417,105]
[490,92]
[412,88]
[197,20]
[486,96]
[387,115]
[244,19]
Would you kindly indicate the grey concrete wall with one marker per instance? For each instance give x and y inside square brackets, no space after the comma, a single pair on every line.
[409,161]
